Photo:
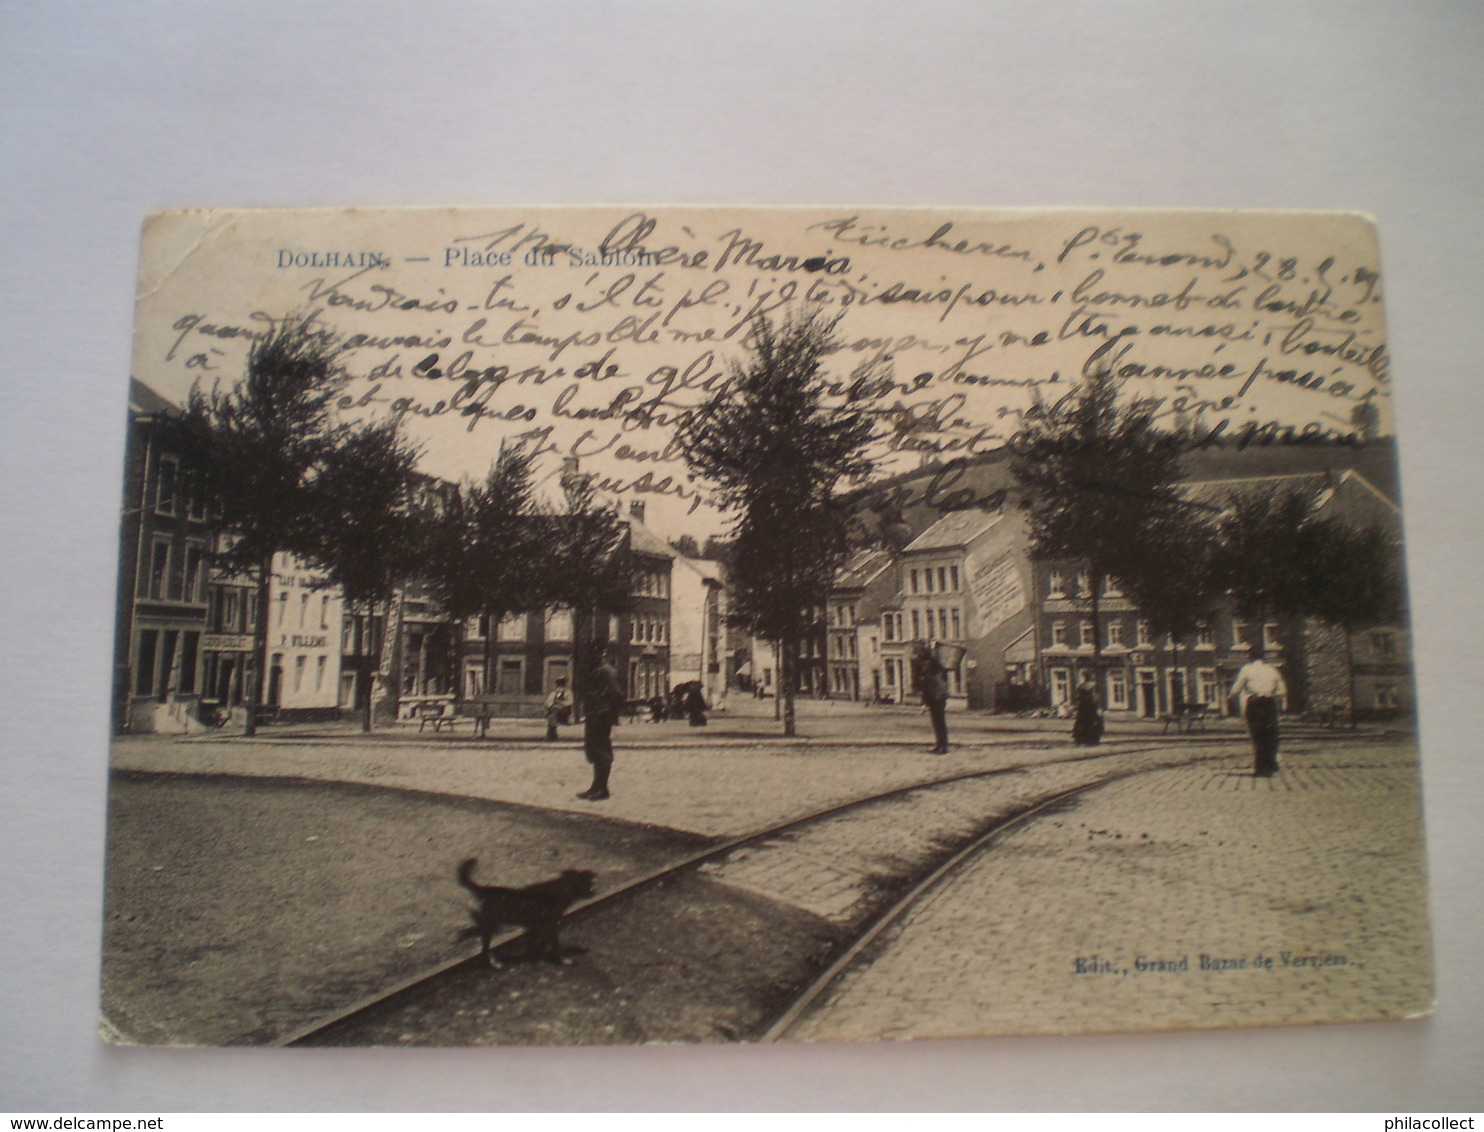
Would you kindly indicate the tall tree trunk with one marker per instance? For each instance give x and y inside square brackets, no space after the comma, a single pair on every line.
[790,666]
[1350,675]
[1095,583]
[259,680]
[489,652]
[778,671]
[373,664]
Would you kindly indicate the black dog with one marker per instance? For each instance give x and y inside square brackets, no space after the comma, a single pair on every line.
[537,907]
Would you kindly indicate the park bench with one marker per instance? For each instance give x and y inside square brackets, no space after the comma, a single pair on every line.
[1190,717]
[439,715]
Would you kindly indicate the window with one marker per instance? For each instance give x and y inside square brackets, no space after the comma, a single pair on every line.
[510,677]
[197,501]
[1270,635]
[167,476]
[512,628]
[1110,588]
[159,568]
[324,612]
[1084,584]
[1058,632]
[957,626]
[283,605]
[953,578]
[1383,645]
[1061,686]
[1141,634]
[1115,633]
[942,624]
[1239,635]
[195,560]
[303,609]
[914,581]
[558,624]
[1117,689]
[916,626]
[1386,696]
[1206,680]
[1056,584]
[888,627]
[319,673]
[1088,636]
[1204,637]
[942,579]
[299,663]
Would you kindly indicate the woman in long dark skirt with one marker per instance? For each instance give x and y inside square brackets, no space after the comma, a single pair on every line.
[1087,724]
[695,706]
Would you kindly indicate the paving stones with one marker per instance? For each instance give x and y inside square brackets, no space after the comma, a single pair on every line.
[1191,897]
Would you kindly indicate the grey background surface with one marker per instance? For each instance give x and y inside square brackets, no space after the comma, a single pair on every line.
[109,111]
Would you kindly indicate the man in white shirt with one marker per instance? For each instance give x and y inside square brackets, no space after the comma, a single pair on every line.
[1260,688]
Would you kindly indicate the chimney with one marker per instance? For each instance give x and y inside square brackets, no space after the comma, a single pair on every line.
[636,510]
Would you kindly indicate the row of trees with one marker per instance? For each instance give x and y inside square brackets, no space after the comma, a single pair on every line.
[1106,492]
[1104,481]
[280,472]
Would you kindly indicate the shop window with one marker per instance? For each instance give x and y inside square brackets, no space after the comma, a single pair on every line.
[190,651]
[146,659]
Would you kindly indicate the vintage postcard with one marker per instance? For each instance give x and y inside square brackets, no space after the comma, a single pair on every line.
[689,624]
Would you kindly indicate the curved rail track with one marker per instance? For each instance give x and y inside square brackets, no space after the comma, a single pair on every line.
[736,941]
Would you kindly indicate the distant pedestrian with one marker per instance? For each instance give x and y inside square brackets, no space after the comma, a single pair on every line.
[605,702]
[1263,688]
[695,706]
[1087,723]
[932,683]
[558,709]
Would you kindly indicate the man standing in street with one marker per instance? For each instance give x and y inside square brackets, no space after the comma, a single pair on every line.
[605,700]
[932,682]
[1263,687]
